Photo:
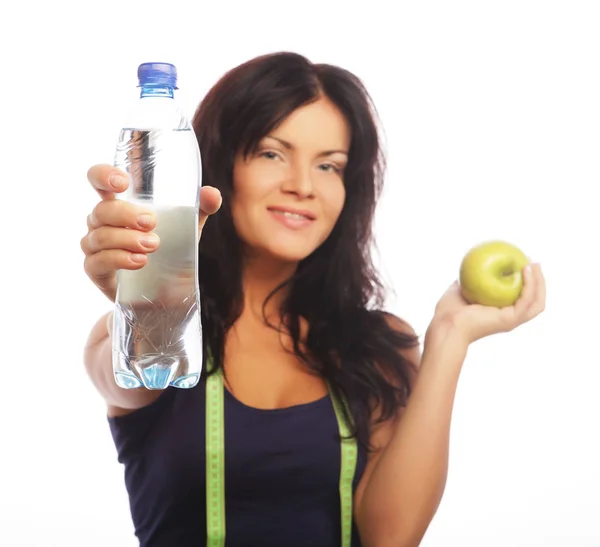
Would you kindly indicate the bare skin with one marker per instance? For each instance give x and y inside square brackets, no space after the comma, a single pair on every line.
[300,166]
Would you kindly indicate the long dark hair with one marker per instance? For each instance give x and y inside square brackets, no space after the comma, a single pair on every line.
[336,289]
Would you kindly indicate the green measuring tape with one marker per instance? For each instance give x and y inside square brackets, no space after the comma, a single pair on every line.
[215,464]
[215,461]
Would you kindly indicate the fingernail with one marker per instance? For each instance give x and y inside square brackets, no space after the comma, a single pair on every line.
[145,220]
[117,181]
[150,241]
[138,257]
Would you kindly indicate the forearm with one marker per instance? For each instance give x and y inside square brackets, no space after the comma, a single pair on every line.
[406,487]
[98,364]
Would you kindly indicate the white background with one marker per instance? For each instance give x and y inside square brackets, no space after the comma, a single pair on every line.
[492,119]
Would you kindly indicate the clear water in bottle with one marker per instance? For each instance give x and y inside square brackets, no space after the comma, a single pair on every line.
[157,335]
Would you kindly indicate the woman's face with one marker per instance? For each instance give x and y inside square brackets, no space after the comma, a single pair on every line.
[290,193]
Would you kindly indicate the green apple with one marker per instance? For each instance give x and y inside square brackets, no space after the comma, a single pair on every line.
[491,274]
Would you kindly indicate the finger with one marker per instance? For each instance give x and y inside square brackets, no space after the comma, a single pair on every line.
[528,293]
[102,267]
[539,303]
[120,213]
[109,237]
[541,281]
[107,180]
[210,203]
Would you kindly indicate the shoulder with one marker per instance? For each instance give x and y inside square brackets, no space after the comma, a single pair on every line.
[388,343]
[398,324]
[407,340]
[397,360]
[407,346]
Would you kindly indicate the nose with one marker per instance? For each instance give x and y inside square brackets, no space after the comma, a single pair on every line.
[300,182]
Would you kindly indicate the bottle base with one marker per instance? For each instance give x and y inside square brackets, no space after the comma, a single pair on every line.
[186,382]
[155,379]
[127,380]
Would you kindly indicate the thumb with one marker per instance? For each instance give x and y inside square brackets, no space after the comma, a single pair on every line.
[210,203]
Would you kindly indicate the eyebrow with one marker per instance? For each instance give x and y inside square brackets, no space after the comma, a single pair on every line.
[290,146]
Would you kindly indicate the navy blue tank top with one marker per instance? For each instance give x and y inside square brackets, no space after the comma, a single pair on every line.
[282,470]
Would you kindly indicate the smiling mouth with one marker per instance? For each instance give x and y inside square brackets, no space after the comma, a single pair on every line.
[294,215]
[287,214]
[292,219]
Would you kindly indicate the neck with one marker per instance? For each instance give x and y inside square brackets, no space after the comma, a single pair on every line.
[260,277]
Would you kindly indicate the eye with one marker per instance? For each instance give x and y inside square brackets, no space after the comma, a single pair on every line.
[270,155]
[330,168]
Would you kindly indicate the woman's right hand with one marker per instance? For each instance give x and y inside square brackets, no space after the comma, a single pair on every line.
[120,233]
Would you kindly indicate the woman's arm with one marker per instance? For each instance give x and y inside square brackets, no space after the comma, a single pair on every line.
[98,364]
[405,477]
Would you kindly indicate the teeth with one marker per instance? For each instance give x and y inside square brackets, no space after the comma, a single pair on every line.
[292,215]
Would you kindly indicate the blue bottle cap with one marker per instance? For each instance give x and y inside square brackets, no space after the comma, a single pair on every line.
[157,74]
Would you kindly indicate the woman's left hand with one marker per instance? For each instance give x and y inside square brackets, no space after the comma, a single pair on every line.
[474,321]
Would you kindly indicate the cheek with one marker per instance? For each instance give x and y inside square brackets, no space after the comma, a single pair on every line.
[239,208]
[334,199]
[242,215]
[252,185]
[242,198]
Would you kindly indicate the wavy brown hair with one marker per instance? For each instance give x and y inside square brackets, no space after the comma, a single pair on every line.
[336,289]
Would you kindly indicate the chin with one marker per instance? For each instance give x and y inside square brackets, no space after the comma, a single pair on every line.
[284,253]
[290,256]
[285,248]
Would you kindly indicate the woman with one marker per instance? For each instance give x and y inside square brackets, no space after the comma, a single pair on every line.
[291,315]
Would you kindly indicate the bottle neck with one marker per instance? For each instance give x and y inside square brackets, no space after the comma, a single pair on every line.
[157,91]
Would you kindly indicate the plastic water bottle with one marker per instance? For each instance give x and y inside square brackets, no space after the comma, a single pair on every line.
[157,336]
